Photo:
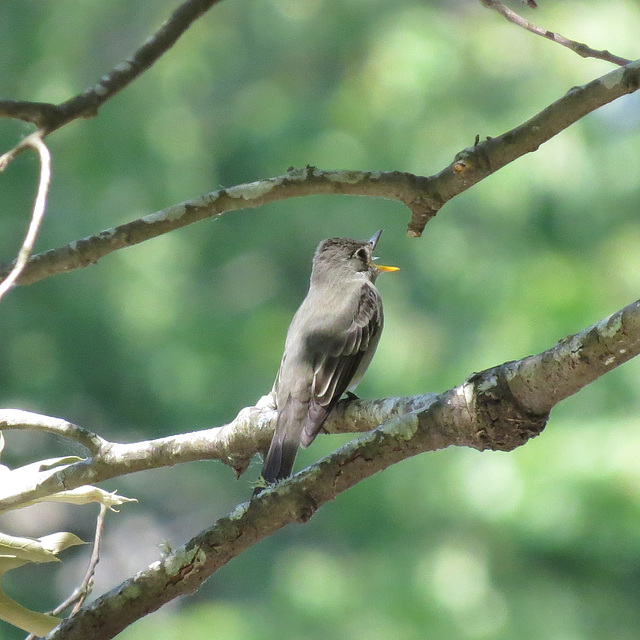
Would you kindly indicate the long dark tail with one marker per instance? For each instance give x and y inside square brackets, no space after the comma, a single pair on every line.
[278,462]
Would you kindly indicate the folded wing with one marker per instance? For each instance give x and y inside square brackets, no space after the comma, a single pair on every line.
[343,360]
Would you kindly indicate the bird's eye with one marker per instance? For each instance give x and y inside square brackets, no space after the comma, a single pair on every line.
[362,254]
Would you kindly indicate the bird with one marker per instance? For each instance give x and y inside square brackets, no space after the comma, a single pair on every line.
[329,345]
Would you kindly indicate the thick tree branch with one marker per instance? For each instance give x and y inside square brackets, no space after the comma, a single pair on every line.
[184,570]
[499,408]
[539,382]
[49,117]
[578,47]
[491,410]
[234,444]
[423,195]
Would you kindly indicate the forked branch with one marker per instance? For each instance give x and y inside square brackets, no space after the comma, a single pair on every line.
[422,195]
[500,408]
[49,117]
[578,47]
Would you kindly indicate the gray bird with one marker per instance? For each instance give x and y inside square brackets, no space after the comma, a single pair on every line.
[329,346]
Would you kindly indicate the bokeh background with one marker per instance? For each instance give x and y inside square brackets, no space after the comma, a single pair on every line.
[183,331]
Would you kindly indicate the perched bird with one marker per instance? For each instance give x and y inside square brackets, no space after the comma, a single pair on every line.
[329,346]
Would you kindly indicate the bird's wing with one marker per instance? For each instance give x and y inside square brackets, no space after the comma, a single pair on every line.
[336,360]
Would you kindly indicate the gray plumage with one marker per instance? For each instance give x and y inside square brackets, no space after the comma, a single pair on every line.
[329,346]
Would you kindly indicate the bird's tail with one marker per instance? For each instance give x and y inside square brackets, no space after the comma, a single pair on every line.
[278,462]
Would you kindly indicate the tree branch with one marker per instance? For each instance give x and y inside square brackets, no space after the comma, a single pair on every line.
[19,420]
[34,141]
[424,196]
[49,117]
[500,409]
[505,405]
[234,444]
[578,47]
[81,592]
[406,187]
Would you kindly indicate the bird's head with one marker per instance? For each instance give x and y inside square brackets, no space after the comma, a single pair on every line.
[346,257]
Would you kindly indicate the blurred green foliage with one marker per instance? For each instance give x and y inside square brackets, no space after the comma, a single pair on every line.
[183,331]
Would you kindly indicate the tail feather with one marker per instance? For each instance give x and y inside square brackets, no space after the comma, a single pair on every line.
[278,462]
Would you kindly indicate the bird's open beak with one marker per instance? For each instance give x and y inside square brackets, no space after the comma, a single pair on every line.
[373,241]
[381,267]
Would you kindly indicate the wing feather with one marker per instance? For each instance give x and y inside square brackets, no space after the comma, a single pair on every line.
[335,367]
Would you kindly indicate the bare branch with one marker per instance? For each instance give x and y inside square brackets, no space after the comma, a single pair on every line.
[18,420]
[424,196]
[49,117]
[578,47]
[39,113]
[185,569]
[491,410]
[234,444]
[502,408]
[84,588]
[485,157]
[539,382]
[408,188]
[34,141]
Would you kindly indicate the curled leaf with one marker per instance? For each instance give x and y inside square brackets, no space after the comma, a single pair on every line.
[87,494]
[39,624]
[16,551]
[56,542]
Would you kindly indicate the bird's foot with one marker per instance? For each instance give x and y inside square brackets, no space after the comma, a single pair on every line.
[260,485]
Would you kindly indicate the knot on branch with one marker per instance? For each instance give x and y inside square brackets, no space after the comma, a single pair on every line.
[631,77]
[504,423]
[42,114]
[422,210]
[473,158]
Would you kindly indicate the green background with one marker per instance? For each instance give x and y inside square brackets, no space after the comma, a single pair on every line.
[181,332]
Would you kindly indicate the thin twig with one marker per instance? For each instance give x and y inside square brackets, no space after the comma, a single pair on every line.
[39,113]
[84,588]
[81,592]
[34,141]
[17,420]
[578,47]
[49,117]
